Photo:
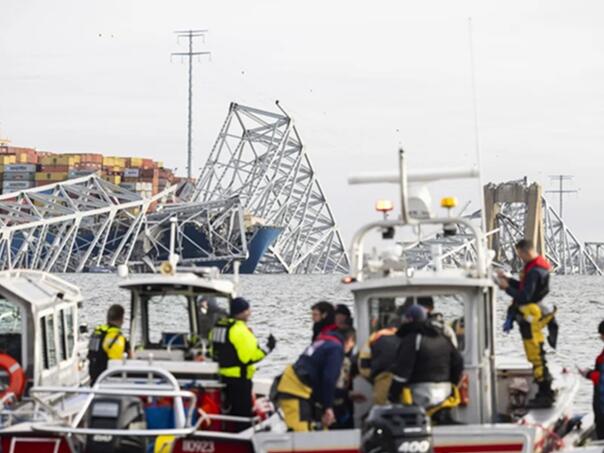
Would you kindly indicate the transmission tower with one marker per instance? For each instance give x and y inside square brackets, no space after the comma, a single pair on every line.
[561,191]
[190,35]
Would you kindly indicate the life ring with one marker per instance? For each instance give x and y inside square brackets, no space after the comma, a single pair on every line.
[16,376]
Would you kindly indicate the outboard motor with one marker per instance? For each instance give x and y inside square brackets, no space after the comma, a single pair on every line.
[397,428]
[124,412]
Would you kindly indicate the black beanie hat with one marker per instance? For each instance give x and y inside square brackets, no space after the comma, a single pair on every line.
[238,305]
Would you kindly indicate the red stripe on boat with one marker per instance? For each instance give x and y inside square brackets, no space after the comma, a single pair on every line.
[478,448]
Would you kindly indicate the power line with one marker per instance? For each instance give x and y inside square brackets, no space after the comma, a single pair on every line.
[190,35]
[561,191]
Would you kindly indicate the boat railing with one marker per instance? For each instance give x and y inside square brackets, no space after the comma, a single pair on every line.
[114,382]
[357,249]
[407,220]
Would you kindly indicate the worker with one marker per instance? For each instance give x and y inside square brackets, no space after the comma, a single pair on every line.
[342,316]
[427,367]
[343,402]
[437,318]
[527,309]
[107,343]
[377,356]
[459,327]
[235,348]
[323,317]
[306,390]
[209,314]
[596,376]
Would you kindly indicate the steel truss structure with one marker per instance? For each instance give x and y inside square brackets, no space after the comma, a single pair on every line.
[220,223]
[562,247]
[88,223]
[70,226]
[259,157]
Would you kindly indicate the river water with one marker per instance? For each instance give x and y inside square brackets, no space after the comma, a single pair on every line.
[281,305]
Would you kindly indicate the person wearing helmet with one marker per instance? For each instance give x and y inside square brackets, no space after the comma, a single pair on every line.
[234,346]
[596,376]
[427,366]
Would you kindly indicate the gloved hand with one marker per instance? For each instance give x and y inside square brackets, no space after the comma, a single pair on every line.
[508,324]
[271,342]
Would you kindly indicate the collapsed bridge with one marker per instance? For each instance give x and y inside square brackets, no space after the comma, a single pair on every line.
[257,201]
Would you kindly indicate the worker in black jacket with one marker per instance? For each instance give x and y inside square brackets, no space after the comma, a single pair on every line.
[427,366]
[532,315]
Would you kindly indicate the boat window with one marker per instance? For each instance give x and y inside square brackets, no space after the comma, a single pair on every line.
[62,341]
[49,352]
[166,313]
[66,335]
[448,310]
[69,330]
[10,329]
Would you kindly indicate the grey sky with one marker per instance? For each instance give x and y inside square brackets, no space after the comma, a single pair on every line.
[360,78]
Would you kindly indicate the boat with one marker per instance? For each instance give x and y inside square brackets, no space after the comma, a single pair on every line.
[171,389]
[40,344]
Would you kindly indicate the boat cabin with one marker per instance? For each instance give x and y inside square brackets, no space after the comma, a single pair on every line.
[39,327]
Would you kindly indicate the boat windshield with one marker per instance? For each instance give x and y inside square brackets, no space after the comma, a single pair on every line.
[167,313]
[177,320]
[447,309]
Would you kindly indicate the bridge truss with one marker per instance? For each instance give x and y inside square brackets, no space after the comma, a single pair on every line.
[260,158]
[88,223]
[513,220]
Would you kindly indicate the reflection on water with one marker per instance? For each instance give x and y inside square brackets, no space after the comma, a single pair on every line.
[281,305]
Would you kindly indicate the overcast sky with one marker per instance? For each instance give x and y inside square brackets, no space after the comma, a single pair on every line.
[360,79]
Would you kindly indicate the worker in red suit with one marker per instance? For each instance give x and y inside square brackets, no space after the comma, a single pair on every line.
[596,375]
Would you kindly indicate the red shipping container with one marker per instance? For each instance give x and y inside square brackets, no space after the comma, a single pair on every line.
[56,168]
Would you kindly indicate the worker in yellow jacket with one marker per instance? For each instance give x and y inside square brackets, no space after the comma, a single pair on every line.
[107,342]
[235,347]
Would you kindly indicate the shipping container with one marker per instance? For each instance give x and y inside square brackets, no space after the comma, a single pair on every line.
[116,179]
[20,168]
[20,176]
[59,159]
[91,158]
[77,173]
[13,186]
[51,176]
[131,172]
[135,162]
[7,159]
[55,168]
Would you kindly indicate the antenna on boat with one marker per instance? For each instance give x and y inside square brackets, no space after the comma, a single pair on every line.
[476,125]
[173,257]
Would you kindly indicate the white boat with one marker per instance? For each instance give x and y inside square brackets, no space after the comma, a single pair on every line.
[171,366]
[39,345]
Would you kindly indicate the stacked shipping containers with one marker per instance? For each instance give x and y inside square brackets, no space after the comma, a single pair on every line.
[18,177]
[21,168]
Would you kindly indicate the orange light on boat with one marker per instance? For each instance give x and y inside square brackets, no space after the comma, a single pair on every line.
[384,206]
[448,202]
[348,279]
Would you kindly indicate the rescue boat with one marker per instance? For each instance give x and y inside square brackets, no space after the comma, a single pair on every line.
[167,396]
[40,344]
